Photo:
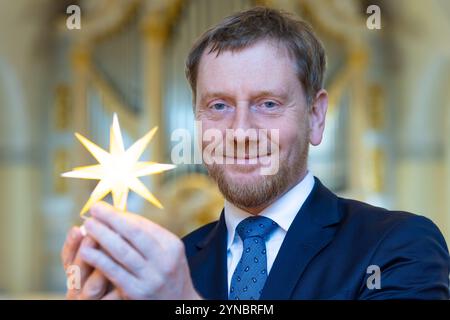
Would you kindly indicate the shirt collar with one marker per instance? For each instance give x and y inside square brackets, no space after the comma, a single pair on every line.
[282,211]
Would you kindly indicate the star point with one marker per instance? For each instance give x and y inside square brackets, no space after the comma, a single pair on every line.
[119,169]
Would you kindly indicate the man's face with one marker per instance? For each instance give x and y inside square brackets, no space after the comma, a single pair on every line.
[254,88]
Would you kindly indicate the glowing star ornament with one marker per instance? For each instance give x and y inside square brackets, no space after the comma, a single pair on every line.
[119,170]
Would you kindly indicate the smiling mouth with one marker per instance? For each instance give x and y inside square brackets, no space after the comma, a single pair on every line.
[247,160]
[247,157]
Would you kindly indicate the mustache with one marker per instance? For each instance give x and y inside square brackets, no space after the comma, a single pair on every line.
[245,150]
[241,147]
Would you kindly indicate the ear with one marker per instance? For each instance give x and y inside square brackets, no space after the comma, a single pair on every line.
[317,115]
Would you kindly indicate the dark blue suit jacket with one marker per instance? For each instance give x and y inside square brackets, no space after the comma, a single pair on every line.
[327,250]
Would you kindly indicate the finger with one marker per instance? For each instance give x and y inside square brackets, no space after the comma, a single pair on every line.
[147,237]
[120,277]
[113,295]
[116,246]
[85,269]
[70,247]
[94,287]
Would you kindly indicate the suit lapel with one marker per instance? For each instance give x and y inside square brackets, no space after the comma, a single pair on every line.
[311,230]
[209,265]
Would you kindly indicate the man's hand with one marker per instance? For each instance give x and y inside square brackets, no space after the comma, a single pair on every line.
[93,284]
[140,258]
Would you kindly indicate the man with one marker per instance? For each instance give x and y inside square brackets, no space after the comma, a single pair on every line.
[282,235]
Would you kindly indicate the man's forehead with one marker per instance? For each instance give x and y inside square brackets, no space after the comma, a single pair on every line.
[255,71]
[261,47]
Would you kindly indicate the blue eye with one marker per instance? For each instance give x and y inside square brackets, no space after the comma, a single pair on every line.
[270,104]
[218,106]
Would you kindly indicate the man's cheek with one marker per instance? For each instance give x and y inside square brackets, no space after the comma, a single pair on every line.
[212,146]
[270,165]
[268,151]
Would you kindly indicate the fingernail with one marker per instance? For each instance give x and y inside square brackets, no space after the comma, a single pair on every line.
[83,231]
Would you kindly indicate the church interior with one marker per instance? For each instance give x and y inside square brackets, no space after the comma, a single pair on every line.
[386,139]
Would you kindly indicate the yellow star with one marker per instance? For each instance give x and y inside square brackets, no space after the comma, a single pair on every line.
[118,170]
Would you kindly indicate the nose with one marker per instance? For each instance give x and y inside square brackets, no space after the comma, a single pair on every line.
[243,136]
[241,118]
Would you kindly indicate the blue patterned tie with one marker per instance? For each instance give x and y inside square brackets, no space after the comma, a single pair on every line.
[251,272]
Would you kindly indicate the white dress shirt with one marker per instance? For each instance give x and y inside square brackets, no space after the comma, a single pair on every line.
[282,211]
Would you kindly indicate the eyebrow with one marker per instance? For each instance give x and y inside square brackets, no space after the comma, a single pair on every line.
[277,93]
[213,94]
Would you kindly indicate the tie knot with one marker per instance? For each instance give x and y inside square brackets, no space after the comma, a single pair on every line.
[255,227]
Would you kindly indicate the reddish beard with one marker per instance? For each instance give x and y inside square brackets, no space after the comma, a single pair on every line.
[262,190]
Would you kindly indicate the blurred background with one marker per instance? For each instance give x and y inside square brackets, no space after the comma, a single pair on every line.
[386,140]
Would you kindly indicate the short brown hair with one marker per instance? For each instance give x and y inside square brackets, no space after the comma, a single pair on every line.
[245,28]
